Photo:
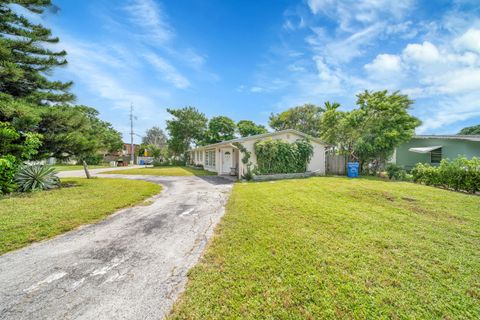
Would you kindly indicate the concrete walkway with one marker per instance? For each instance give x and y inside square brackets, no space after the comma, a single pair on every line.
[133,265]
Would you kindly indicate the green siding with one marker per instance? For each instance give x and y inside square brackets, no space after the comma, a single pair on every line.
[451,149]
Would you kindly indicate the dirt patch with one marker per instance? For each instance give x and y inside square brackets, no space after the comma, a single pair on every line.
[68,184]
[438,215]
[362,194]
[388,196]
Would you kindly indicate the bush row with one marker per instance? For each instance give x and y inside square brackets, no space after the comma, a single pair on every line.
[168,163]
[25,178]
[460,174]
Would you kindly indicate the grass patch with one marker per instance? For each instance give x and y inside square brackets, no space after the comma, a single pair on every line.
[164,171]
[338,248]
[25,218]
[77,167]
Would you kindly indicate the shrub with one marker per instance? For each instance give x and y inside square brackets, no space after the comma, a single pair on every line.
[168,163]
[36,177]
[177,162]
[94,159]
[395,172]
[157,163]
[8,168]
[460,174]
[277,156]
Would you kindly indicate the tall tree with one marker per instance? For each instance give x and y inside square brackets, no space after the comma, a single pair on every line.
[186,128]
[75,132]
[249,128]
[18,123]
[473,130]
[331,124]
[63,131]
[370,133]
[220,128]
[25,57]
[155,136]
[304,118]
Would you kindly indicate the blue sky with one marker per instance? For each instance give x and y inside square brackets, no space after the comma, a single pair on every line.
[246,59]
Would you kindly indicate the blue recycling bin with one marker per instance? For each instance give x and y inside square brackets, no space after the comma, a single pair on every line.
[142,162]
[352,169]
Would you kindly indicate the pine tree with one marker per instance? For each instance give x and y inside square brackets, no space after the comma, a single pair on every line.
[25,59]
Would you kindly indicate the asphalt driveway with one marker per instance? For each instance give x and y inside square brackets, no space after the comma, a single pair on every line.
[132,265]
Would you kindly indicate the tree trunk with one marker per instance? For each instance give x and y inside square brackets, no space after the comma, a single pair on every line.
[85,167]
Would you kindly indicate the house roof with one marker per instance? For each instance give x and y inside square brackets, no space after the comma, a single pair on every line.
[450,137]
[260,136]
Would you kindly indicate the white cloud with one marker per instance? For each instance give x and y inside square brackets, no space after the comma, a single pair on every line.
[327,75]
[106,75]
[470,40]
[343,50]
[288,25]
[456,81]
[351,12]
[148,15]
[167,71]
[319,5]
[256,89]
[384,63]
[444,76]
[423,53]
[450,110]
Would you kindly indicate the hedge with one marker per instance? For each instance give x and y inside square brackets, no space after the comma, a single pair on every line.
[460,174]
[8,168]
[277,156]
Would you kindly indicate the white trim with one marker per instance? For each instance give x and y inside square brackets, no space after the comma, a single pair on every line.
[259,136]
[424,149]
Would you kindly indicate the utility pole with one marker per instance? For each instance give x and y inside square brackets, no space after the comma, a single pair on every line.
[132,149]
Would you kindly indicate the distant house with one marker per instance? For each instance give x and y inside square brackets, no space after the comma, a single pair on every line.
[433,148]
[224,157]
[124,154]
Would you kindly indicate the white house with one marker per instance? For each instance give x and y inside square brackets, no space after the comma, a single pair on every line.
[225,158]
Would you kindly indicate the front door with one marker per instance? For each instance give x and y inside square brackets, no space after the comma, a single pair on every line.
[227,161]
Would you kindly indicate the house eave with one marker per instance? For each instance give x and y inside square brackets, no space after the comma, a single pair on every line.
[449,137]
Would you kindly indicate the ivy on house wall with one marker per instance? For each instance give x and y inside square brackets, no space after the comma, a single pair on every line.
[245,160]
[277,156]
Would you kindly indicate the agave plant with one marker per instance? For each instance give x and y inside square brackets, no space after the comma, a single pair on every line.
[36,177]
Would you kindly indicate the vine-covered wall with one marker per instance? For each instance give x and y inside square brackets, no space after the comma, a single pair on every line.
[278,156]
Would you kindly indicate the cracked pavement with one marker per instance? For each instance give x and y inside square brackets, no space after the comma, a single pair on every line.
[132,265]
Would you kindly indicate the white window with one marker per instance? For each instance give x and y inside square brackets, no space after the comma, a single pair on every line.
[210,158]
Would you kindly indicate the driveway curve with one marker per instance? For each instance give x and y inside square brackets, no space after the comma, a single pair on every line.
[132,265]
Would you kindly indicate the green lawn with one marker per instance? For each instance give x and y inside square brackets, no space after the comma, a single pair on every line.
[25,218]
[165,171]
[69,167]
[326,248]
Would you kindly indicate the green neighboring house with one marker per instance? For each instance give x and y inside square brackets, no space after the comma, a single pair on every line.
[433,148]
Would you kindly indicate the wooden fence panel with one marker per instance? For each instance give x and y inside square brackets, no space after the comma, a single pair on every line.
[336,164]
